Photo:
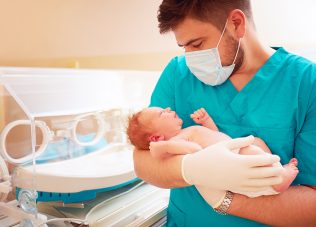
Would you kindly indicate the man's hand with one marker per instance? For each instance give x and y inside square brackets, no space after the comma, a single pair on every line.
[218,167]
[213,197]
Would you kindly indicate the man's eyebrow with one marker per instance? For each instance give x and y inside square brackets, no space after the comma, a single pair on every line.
[189,42]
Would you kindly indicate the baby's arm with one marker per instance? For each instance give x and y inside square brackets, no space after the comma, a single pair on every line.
[163,149]
[201,117]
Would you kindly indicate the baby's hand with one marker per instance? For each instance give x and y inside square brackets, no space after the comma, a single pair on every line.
[200,116]
[156,149]
[153,145]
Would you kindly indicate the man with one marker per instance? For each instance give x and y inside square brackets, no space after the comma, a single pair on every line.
[248,89]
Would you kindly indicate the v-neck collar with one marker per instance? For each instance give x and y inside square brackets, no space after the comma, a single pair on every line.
[239,102]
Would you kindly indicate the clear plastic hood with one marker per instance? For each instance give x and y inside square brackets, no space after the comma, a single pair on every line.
[64,130]
[64,109]
[52,93]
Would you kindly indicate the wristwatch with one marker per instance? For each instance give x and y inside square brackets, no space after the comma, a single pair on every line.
[223,208]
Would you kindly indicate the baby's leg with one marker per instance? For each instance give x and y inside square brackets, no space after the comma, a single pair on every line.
[259,143]
[290,169]
[288,175]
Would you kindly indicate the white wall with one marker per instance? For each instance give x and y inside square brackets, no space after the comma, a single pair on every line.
[59,28]
[289,23]
[54,29]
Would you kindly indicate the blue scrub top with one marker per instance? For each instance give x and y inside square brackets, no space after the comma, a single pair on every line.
[278,105]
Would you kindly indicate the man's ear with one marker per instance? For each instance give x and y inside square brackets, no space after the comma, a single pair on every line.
[156,138]
[238,20]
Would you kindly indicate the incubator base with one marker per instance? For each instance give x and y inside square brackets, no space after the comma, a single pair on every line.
[12,215]
[135,205]
[107,167]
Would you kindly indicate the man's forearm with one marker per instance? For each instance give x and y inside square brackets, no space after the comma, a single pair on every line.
[164,173]
[294,207]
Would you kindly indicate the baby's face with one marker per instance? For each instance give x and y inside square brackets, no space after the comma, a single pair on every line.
[163,121]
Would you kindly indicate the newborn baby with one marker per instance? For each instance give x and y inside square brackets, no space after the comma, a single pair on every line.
[160,131]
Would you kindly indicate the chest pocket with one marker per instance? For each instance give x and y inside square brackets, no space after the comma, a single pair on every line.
[280,141]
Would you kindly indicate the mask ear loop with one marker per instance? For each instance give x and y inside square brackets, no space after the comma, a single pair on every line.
[220,38]
[237,50]
[47,136]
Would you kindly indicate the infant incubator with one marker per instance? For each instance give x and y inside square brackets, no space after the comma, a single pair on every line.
[64,151]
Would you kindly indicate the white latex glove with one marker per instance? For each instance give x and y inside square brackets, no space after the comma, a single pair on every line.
[213,197]
[217,167]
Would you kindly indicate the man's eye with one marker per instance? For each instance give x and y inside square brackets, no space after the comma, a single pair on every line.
[197,45]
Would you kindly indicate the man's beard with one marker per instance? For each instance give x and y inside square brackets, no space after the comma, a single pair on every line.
[231,46]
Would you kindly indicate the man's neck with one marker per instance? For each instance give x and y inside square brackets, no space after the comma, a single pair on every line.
[255,57]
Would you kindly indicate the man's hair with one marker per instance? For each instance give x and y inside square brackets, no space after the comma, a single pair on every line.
[137,132]
[172,12]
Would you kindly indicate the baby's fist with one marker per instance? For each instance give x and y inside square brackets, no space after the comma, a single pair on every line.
[200,116]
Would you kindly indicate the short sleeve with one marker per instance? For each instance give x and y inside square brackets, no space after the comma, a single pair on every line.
[164,92]
[305,142]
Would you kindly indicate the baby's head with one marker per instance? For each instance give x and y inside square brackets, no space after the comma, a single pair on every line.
[151,125]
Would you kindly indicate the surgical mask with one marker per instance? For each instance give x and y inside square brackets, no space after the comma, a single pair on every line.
[206,64]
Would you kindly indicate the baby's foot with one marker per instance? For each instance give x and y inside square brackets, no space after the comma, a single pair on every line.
[289,174]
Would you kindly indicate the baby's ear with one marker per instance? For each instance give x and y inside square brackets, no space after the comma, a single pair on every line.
[156,138]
